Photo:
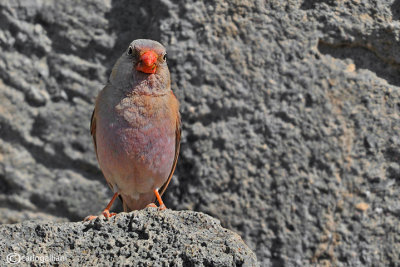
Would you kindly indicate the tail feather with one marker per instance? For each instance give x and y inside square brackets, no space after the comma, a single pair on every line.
[130,203]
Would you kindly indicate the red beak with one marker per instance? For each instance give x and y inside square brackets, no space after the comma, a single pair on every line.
[147,62]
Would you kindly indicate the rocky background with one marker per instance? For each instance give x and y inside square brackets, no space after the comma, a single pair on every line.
[290,110]
[141,238]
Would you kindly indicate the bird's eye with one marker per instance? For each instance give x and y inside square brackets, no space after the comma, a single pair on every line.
[165,57]
[130,51]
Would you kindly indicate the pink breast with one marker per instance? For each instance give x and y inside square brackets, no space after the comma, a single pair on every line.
[136,159]
[152,146]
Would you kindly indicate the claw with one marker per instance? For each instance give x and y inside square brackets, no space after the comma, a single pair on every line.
[106,212]
[89,218]
[151,205]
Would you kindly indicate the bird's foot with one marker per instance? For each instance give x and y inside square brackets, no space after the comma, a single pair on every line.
[151,205]
[89,218]
[105,213]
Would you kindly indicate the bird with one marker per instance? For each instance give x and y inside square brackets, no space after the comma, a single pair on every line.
[136,127]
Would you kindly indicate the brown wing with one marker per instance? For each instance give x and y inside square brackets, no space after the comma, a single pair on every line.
[177,148]
[93,130]
[93,133]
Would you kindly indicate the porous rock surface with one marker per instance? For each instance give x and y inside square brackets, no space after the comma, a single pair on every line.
[290,115]
[140,238]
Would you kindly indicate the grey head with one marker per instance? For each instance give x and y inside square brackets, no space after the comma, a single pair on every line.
[142,69]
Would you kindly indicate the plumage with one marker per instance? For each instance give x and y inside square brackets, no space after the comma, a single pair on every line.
[136,126]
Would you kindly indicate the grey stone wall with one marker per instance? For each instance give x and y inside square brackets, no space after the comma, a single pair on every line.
[290,115]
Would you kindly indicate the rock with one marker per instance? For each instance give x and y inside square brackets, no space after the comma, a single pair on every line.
[140,238]
[290,115]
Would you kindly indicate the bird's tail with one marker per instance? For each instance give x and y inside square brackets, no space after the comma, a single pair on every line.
[130,203]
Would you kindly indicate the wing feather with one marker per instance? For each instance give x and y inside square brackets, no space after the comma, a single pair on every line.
[93,130]
[177,148]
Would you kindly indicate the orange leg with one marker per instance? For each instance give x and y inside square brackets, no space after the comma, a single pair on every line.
[106,211]
[162,206]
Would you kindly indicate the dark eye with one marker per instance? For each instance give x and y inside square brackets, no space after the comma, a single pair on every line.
[164,57]
[130,51]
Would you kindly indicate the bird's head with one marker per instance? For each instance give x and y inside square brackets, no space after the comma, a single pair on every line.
[142,68]
[148,55]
